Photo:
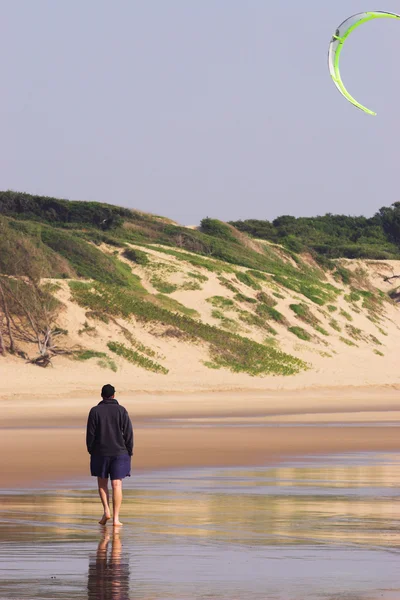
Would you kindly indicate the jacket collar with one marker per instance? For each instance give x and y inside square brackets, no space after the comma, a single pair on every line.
[109,401]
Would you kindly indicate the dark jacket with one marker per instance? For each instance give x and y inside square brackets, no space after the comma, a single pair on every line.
[109,430]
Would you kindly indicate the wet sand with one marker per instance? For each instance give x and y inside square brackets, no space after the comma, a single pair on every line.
[43,438]
[35,456]
[321,528]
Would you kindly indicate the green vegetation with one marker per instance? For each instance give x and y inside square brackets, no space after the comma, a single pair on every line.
[87,261]
[190,286]
[163,286]
[226,349]
[45,237]
[258,275]
[335,325]
[248,280]
[354,332]
[199,276]
[348,342]
[88,354]
[266,299]
[346,315]
[378,352]
[225,322]
[105,361]
[321,330]
[301,333]
[333,236]
[228,284]
[135,358]
[375,340]
[268,312]
[221,302]
[271,341]
[175,306]
[242,298]
[352,297]
[136,256]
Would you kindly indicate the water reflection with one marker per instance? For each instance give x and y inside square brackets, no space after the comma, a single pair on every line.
[108,575]
[321,528]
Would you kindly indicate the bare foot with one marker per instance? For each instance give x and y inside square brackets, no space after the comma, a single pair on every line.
[117,523]
[104,519]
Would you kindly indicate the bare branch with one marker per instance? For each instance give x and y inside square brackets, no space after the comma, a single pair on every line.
[388,279]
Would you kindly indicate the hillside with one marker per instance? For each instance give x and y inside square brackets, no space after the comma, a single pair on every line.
[95,290]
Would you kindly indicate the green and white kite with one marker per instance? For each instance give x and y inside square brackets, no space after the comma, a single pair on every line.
[336,45]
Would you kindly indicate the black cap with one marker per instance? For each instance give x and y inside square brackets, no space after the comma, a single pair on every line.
[107,391]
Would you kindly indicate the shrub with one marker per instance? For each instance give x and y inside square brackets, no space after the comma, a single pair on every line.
[137,256]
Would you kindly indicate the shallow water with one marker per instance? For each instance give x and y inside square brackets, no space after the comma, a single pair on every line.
[320,528]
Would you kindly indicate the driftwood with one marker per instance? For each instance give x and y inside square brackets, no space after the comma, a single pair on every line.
[390,277]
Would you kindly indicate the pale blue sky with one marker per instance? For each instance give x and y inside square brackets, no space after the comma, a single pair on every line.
[194,108]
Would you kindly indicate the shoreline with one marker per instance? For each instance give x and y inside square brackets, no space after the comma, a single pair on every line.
[43,438]
[41,456]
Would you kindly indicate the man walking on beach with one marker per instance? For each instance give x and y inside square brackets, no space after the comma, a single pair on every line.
[109,441]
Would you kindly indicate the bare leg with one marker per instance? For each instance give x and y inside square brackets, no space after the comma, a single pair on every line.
[117,500]
[104,497]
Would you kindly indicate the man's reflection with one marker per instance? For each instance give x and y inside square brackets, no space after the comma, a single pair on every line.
[108,577]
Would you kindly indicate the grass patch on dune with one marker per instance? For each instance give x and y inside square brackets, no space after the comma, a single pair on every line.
[268,312]
[226,322]
[309,286]
[300,333]
[162,286]
[136,256]
[266,299]
[228,284]
[214,266]
[347,342]
[221,302]
[190,286]
[303,313]
[175,306]
[346,315]
[105,362]
[88,354]
[248,280]
[258,275]
[378,352]
[245,299]
[88,261]
[135,358]
[228,350]
[199,276]
[335,325]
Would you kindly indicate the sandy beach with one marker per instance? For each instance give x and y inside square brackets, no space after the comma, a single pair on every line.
[44,437]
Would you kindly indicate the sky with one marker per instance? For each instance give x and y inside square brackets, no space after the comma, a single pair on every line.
[196,108]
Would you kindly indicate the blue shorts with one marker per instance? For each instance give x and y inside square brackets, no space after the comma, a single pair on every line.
[115,467]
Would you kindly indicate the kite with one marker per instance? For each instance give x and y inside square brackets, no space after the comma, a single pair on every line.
[336,45]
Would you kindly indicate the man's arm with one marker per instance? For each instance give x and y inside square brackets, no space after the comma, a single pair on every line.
[90,430]
[128,433]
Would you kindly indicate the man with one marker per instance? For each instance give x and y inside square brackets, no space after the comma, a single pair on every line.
[109,440]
